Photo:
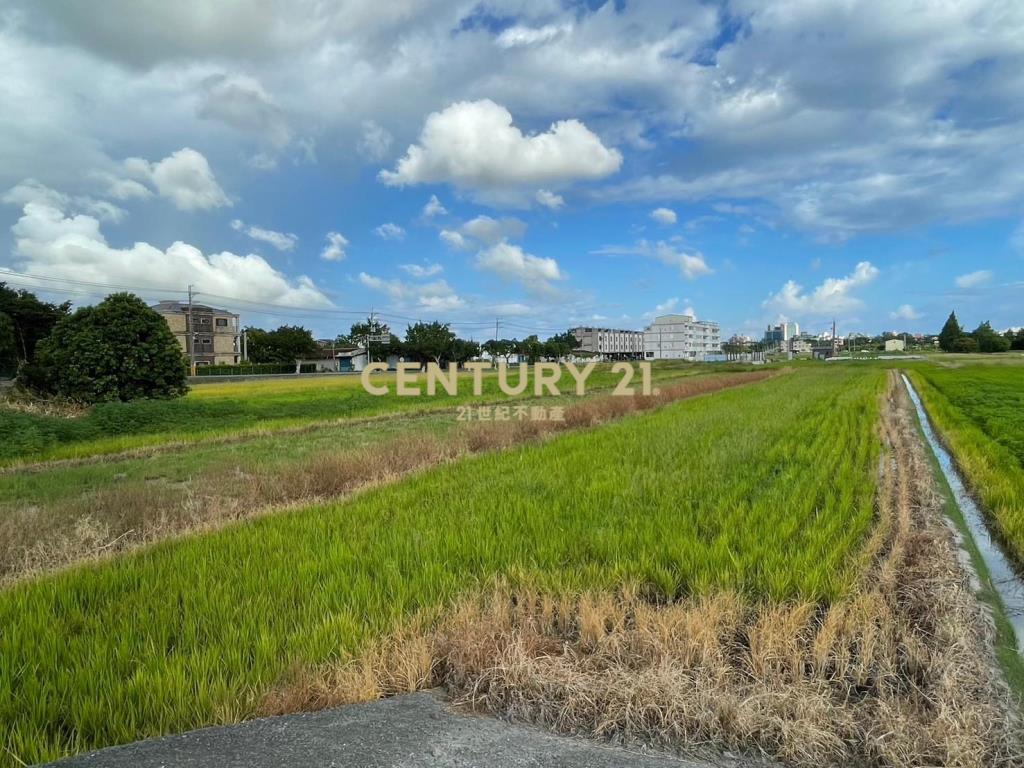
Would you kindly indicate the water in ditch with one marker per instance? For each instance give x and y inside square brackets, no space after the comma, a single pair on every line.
[1004,579]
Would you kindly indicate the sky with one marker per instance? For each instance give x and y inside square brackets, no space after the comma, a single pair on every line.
[534,164]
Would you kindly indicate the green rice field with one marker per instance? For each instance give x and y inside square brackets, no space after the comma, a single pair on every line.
[766,490]
[979,413]
[220,409]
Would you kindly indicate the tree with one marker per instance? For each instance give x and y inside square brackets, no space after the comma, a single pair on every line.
[531,348]
[429,341]
[8,346]
[560,345]
[463,351]
[501,348]
[284,345]
[951,331]
[1018,339]
[32,319]
[964,344]
[357,336]
[988,340]
[119,349]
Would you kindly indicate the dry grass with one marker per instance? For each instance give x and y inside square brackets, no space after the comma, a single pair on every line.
[123,517]
[901,673]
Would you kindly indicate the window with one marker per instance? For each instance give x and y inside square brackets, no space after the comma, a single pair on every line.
[221,322]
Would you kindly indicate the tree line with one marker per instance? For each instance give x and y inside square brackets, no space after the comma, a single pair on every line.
[423,341]
[984,338]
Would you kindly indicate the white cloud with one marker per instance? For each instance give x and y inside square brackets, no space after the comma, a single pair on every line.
[510,262]
[281,240]
[375,141]
[52,243]
[184,177]
[490,231]
[549,199]
[335,248]
[475,144]
[666,306]
[420,271]
[434,208]
[905,312]
[664,216]
[833,296]
[517,36]
[389,231]
[455,240]
[974,279]
[691,265]
[32,191]
[437,296]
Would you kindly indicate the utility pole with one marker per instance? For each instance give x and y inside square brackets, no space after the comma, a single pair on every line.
[190,336]
[496,330]
[835,341]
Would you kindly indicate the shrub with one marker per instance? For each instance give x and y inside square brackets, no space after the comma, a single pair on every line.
[118,350]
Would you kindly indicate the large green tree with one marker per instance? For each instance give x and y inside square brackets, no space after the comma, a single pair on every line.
[501,348]
[119,349]
[989,340]
[950,332]
[283,345]
[429,341]
[31,319]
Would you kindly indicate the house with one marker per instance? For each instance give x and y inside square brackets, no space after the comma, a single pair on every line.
[210,334]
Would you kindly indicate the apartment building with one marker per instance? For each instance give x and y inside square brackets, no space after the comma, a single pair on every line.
[214,332]
[781,332]
[681,337]
[610,342]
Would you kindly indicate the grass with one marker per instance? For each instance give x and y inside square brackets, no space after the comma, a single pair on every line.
[764,490]
[978,411]
[214,410]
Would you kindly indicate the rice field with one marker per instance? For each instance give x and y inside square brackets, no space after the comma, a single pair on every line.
[216,410]
[978,411]
[765,491]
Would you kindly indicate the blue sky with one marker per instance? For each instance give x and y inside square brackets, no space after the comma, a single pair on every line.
[540,163]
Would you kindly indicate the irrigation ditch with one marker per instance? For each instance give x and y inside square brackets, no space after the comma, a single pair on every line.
[1004,580]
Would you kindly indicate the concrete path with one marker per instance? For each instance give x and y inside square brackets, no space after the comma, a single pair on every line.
[403,732]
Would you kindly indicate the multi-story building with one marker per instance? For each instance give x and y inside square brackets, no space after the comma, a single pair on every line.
[212,332]
[610,342]
[781,332]
[681,337]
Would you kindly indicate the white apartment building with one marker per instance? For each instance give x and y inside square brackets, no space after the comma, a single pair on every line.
[681,337]
[610,342]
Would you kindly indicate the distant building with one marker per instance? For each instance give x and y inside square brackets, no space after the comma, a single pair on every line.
[895,345]
[213,332]
[610,342]
[681,337]
[799,346]
[782,332]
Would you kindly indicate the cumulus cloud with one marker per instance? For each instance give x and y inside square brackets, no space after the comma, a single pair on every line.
[905,312]
[511,263]
[433,208]
[475,144]
[454,239]
[690,265]
[283,241]
[49,241]
[184,178]
[375,141]
[389,231]
[335,248]
[436,296]
[490,231]
[32,191]
[421,271]
[549,199]
[664,216]
[974,279]
[833,296]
